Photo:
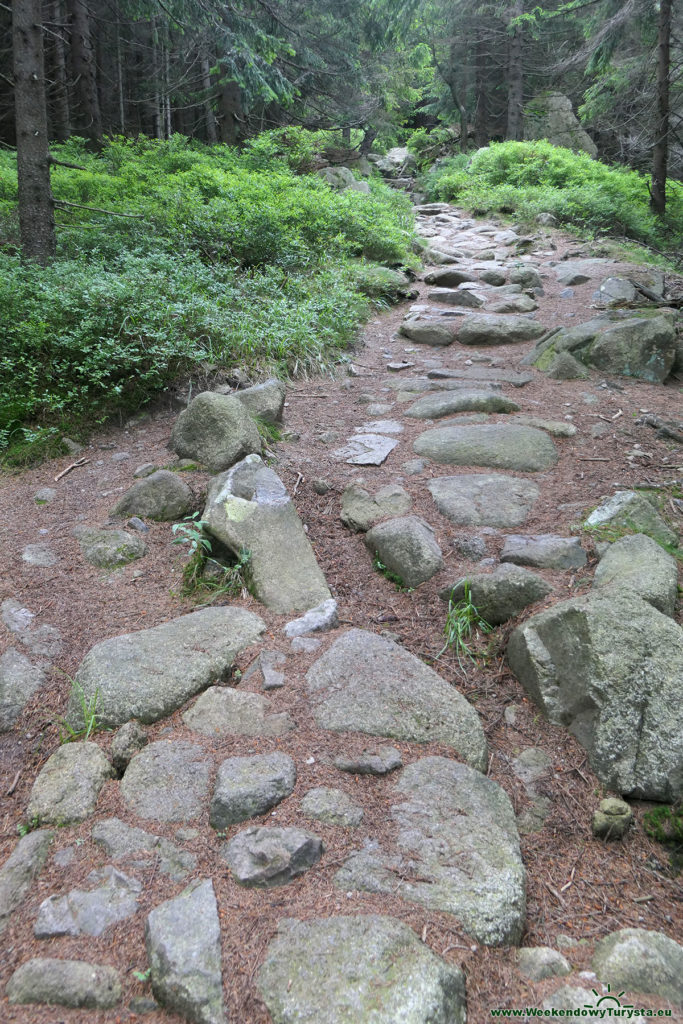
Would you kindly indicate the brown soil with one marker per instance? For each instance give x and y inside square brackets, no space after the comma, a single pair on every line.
[577,886]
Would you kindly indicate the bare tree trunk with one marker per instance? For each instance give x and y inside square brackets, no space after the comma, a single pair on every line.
[515,122]
[59,94]
[209,119]
[660,156]
[481,121]
[36,206]
[455,94]
[83,61]
[230,106]
[119,81]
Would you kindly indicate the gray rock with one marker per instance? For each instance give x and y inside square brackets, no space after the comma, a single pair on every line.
[167,781]
[23,865]
[39,554]
[447,403]
[162,496]
[145,469]
[265,857]
[217,430]
[534,817]
[365,683]
[528,277]
[609,667]
[630,511]
[360,510]
[366,449]
[457,851]
[44,641]
[332,806]
[183,940]
[539,962]
[121,842]
[641,961]
[92,911]
[571,997]
[579,271]
[303,645]
[72,983]
[339,177]
[136,523]
[501,594]
[380,761]
[68,785]
[266,400]
[109,548]
[544,551]
[464,297]
[126,743]
[15,616]
[492,329]
[321,486]
[498,445]
[483,499]
[396,162]
[551,116]
[493,277]
[612,820]
[639,564]
[450,277]
[249,786]
[616,291]
[429,332]
[19,680]
[222,711]
[557,428]
[267,664]
[532,766]
[512,304]
[472,549]
[413,467]
[45,495]
[177,660]
[565,367]
[406,546]
[318,620]
[248,508]
[358,969]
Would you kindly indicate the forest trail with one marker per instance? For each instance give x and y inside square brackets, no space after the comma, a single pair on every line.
[396,778]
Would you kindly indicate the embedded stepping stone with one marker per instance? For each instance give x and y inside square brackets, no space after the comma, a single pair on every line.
[22,866]
[431,407]
[499,445]
[109,548]
[249,786]
[484,373]
[365,683]
[457,851]
[176,661]
[449,277]
[317,620]
[72,983]
[501,594]
[19,680]
[544,551]
[358,968]
[427,332]
[216,430]
[639,564]
[248,509]
[167,781]
[484,499]
[39,554]
[558,428]
[492,329]
[121,841]
[381,427]
[360,510]
[628,511]
[69,784]
[407,547]
[512,304]
[89,912]
[528,277]
[366,449]
[162,496]
[183,940]
[641,961]
[265,857]
[222,711]
[371,762]
[463,296]
[332,806]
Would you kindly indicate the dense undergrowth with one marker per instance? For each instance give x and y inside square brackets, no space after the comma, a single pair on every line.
[529,178]
[223,258]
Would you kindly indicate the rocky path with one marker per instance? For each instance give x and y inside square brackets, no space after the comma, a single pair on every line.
[298,806]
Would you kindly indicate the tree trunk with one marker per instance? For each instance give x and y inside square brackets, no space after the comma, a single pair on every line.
[455,94]
[209,119]
[515,122]
[230,106]
[59,95]
[660,154]
[89,120]
[36,206]
[482,130]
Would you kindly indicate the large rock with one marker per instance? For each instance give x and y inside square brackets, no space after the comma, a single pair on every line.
[162,495]
[550,116]
[265,401]
[121,841]
[109,548]
[501,594]
[365,683]
[396,162]
[342,178]
[450,277]
[447,403]
[465,297]
[480,499]
[183,939]
[628,344]
[641,961]
[248,786]
[429,332]
[499,445]
[360,510]
[544,551]
[457,851]
[610,667]
[539,962]
[72,983]
[69,784]
[19,680]
[248,508]
[357,970]
[639,564]
[92,911]
[407,547]
[23,865]
[628,511]
[222,711]
[149,674]
[492,329]
[512,304]
[216,430]
[167,781]
[270,856]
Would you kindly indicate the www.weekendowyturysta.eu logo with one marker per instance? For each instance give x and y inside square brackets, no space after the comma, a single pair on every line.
[604,1007]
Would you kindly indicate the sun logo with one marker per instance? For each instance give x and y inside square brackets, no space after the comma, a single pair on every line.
[612,1001]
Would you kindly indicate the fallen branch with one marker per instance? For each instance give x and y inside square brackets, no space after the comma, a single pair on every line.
[663,428]
[14,783]
[54,162]
[74,465]
[97,209]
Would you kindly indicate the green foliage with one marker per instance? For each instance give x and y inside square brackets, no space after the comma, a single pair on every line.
[191,532]
[463,621]
[67,733]
[665,825]
[528,178]
[393,577]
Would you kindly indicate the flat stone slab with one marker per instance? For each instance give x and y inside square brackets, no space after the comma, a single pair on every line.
[223,711]
[19,680]
[332,806]
[365,683]
[23,865]
[544,551]
[429,332]
[360,510]
[149,674]
[183,940]
[483,373]
[496,329]
[431,407]
[380,761]
[109,549]
[92,911]
[270,856]
[69,784]
[167,781]
[366,449]
[249,786]
[457,851]
[359,969]
[498,445]
[484,499]
[122,842]
[72,983]
[40,555]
